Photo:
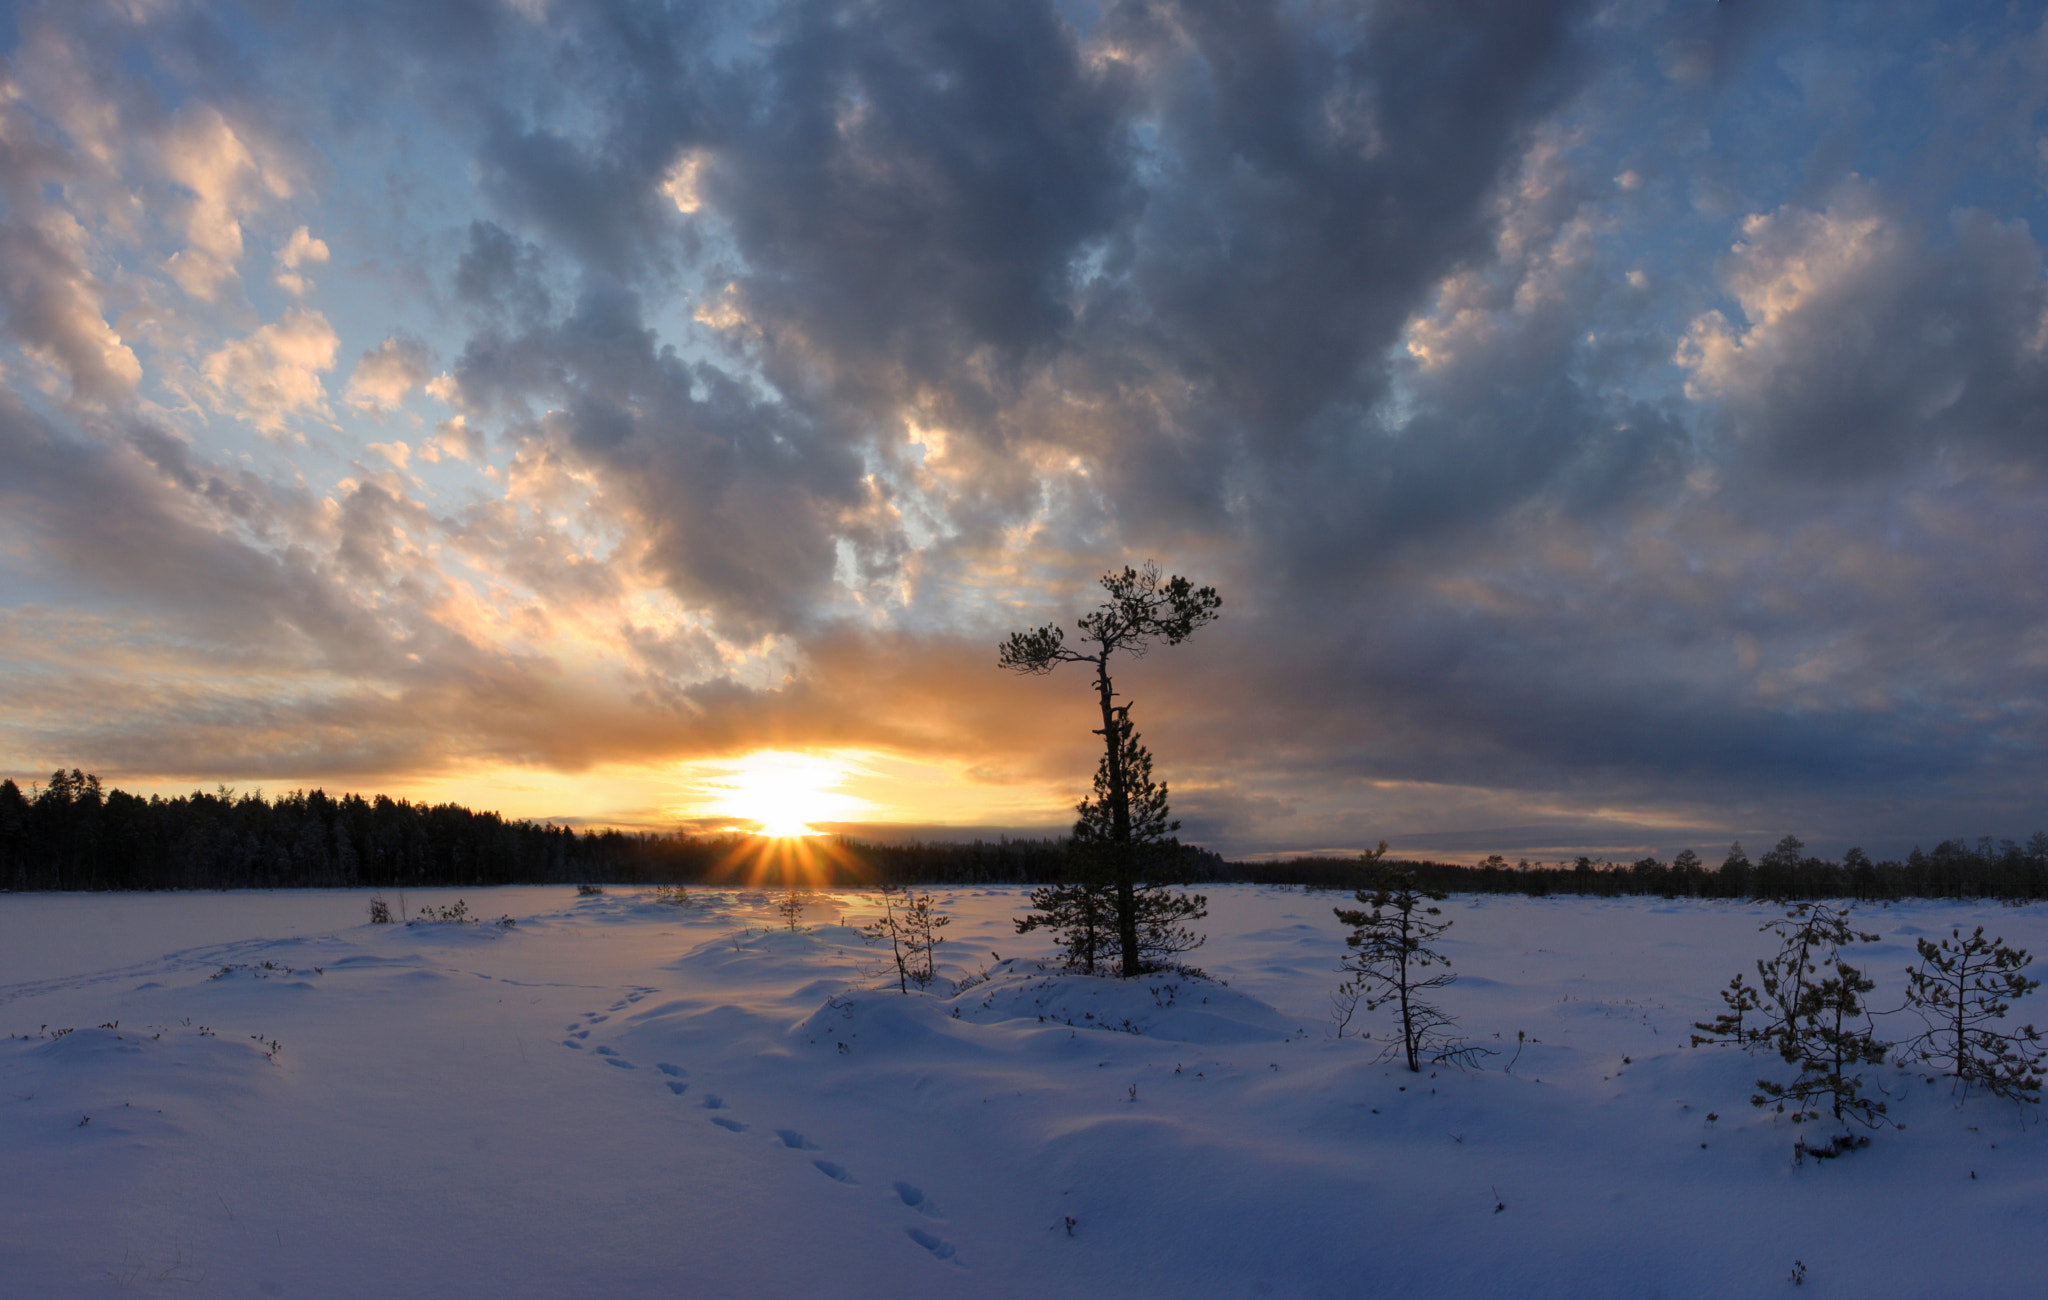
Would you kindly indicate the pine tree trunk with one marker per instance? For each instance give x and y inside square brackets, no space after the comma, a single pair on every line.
[1120,824]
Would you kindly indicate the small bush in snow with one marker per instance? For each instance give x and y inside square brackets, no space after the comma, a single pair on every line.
[380,912]
[1962,988]
[589,891]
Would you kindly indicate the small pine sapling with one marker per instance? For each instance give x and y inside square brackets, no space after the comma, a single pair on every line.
[889,926]
[1816,996]
[911,924]
[792,906]
[1392,957]
[1961,988]
[922,923]
[1730,1026]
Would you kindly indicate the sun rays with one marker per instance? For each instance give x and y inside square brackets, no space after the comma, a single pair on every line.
[779,794]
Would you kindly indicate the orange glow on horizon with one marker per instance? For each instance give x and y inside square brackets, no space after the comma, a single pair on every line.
[798,862]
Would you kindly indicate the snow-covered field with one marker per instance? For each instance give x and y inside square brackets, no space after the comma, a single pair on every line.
[262,1095]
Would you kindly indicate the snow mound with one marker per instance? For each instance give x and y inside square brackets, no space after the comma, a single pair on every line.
[885,1019]
[1169,1007]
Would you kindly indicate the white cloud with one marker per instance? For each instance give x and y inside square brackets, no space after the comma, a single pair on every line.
[454,437]
[205,155]
[274,372]
[385,376]
[299,250]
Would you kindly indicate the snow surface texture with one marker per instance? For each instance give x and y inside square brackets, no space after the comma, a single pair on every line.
[260,1095]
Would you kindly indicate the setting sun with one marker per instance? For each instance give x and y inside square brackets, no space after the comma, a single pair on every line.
[781,793]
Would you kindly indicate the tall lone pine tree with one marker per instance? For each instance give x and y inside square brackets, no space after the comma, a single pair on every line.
[1141,610]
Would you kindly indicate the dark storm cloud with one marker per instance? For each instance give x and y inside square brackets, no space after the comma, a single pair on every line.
[499,273]
[1201,224]
[1204,242]
[734,500]
[1945,356]
[915,183]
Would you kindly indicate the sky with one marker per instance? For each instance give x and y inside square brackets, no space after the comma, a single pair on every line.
[1612,428]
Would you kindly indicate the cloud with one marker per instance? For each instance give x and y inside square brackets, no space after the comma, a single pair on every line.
[300,250]
[205,155]
[734,500]
[1865,344]
[51,298]
[1600,420]
[274,372]
[385,375]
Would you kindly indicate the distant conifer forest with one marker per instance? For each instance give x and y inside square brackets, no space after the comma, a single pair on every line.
[73,833]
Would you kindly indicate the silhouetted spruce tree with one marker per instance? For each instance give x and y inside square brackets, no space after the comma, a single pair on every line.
[1080,911]
[1142,609]
[1962,989]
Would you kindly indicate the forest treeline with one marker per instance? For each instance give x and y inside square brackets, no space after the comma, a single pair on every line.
[72,833]
[1952,869]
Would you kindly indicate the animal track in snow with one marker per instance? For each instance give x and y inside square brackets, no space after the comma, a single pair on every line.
[915,1198]
[678,1087]
[570,1042]
[621,1062]
[606,1051]
[712,1101]
[837,1173]
[938,1246]
[675,1070]
[725,1123]
[795,1140]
